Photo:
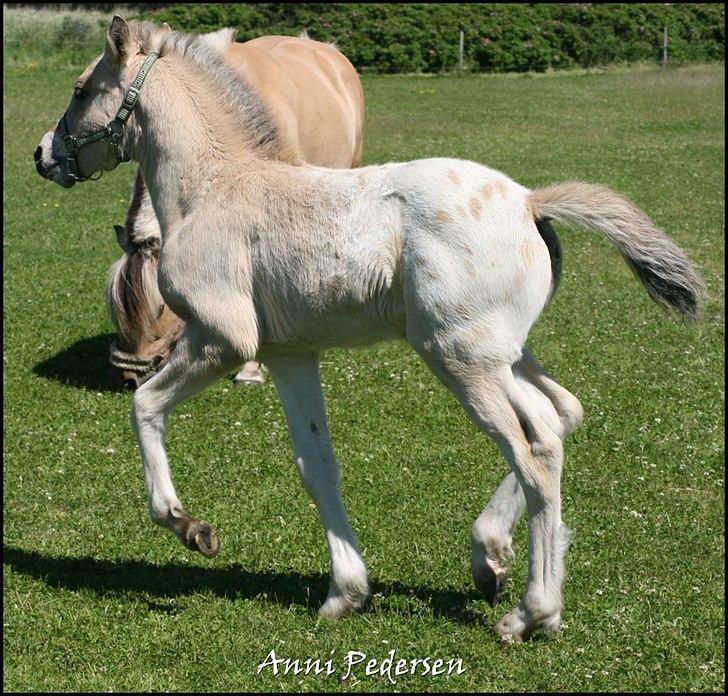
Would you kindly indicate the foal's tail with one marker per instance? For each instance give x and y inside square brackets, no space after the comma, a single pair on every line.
[663,268]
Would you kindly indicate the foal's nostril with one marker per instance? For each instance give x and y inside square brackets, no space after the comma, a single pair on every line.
[37,154]
[129,385]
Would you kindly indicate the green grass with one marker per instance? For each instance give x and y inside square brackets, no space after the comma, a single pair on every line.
[97,598]
[57,37]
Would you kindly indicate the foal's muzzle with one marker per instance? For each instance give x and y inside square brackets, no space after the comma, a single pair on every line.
[47,165]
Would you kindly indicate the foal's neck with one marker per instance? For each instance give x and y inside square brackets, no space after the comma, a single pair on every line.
[190,141]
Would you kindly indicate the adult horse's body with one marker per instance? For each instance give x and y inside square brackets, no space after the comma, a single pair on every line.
[264,259]
[314,98]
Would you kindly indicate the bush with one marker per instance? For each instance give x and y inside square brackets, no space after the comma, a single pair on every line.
[498,37]
[53,38]
[413,38]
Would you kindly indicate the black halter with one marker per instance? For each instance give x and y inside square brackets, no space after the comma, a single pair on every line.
[113,133]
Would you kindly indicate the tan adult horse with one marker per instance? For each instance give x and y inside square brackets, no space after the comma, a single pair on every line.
[265,259]
[314,97]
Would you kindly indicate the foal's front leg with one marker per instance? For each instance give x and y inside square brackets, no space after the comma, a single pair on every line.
[298,383]
[189,370]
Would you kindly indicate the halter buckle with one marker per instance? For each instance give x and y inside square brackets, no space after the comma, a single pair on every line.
[130,98]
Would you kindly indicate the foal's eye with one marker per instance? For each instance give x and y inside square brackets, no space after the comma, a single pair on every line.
[79,94]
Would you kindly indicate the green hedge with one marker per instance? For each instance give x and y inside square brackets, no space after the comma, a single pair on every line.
[498,37]
[52,37]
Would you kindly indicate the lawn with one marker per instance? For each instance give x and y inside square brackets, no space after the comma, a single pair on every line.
[98,598]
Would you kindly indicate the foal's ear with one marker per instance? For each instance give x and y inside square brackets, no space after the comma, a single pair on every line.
[118,40]
[123,240]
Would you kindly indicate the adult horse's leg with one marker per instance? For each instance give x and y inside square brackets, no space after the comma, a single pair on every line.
[252,373]
[192,366]
[298,383]
[492,532]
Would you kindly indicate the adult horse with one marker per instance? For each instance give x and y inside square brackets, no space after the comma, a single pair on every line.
[264,259]
[313,96]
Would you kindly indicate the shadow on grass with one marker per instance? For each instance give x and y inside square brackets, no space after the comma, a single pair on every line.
[85,364]
[170,580]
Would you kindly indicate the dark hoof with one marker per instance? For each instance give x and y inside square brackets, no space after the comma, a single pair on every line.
[204,539]
[198,535]
[490,583]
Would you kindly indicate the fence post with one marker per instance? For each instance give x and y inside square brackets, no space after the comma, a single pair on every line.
[462,45]
[664,48]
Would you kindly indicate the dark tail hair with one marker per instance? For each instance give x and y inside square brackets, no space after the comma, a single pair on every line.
[662,267]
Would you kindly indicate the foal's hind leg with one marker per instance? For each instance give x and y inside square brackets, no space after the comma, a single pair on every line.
[299,387]
[492,399]
[491,537]
[492,531]
[568,408]
[190,368]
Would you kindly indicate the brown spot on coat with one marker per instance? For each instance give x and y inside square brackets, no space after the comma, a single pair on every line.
[492,188]
[461,211]
[454,177]
[527,253]
[443,216]
[476,207]
[502,188]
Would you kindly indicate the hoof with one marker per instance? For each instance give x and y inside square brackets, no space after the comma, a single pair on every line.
[239,381]
[198,535]
[512,628]
[205,540]
[490,582]
[250,375]
[519,625]
[335,607]
[342,604]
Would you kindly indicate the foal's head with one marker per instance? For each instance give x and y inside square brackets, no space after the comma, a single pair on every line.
[87,138]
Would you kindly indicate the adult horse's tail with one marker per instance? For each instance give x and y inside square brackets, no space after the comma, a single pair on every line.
[663,268]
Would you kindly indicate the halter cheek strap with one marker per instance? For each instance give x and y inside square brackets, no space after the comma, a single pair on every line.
[113,133]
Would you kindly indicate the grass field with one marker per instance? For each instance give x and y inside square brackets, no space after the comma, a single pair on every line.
[98,598]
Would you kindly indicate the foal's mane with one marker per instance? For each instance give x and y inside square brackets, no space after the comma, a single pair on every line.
[206,52]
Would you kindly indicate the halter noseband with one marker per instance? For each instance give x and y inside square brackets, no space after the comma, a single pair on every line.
[136,363]
[113,133]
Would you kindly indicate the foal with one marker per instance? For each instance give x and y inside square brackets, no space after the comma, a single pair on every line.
[313,95]
[264,259]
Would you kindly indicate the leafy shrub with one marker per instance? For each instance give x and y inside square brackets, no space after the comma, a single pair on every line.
[413,37]
[498,37]
[51,37]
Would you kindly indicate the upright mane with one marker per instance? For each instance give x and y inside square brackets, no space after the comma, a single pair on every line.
[206,51]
